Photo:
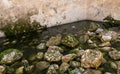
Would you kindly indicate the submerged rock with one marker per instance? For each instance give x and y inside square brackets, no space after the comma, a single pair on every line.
[10,55]
[75,50]
[114,54]
[55,48]
[75,64]
[91,58]
[10,70]
[113,65]
[113,34]
[64,67]
[39,55]
[79,53]
[105,44]
[76,71]
[91,71]
[118,67]
[68,57]
[84,38]
[29,69]
[81,69]
[2,70]
[106,49]
[53,55]
[41,46]
[53,69]
[70,41]
[93,26]
[2,34]
[42,65]
[99,30]
[90,41]
[19,70]
[107,73]
[91,34]
[32,57]
[93,45]
[116,44]
[108,36]
[54,40]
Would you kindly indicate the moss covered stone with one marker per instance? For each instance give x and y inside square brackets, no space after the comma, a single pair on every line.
[93,26]
[10,55]
[70,41]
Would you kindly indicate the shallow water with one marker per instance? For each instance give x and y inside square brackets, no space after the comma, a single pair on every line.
[28,42]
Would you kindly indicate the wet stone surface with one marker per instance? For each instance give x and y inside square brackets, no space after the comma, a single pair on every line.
[70,41]
[10,55]
[91,59]
[53,69]
[53,55]
[54,40]
[84,47]
[115,54]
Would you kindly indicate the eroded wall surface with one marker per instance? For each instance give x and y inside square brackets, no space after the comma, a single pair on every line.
[99,9]
[55,12]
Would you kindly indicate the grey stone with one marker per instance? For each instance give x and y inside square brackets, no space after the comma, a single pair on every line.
[10,55]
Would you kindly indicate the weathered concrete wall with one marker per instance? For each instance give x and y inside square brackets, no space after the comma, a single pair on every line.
[54,12]
[99,9]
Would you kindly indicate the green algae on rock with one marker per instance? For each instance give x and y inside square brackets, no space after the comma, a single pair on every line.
[93,26]
[64,67]
[86,56]
[10,55]
[21,26]
[20,70]
[70,41]
[111,22]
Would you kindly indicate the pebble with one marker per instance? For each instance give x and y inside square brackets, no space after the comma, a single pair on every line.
[99,30]
[2,34]
[106,38]
[41,46]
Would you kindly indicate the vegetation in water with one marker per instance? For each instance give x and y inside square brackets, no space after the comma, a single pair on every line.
[76,54]
[22,26]
[111,22]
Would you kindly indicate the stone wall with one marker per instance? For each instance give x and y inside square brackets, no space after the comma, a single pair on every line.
[55,12]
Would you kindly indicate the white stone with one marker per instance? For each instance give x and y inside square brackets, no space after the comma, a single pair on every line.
[113,34]
[2,34]
[106,38]
[99,30]
[90,41]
